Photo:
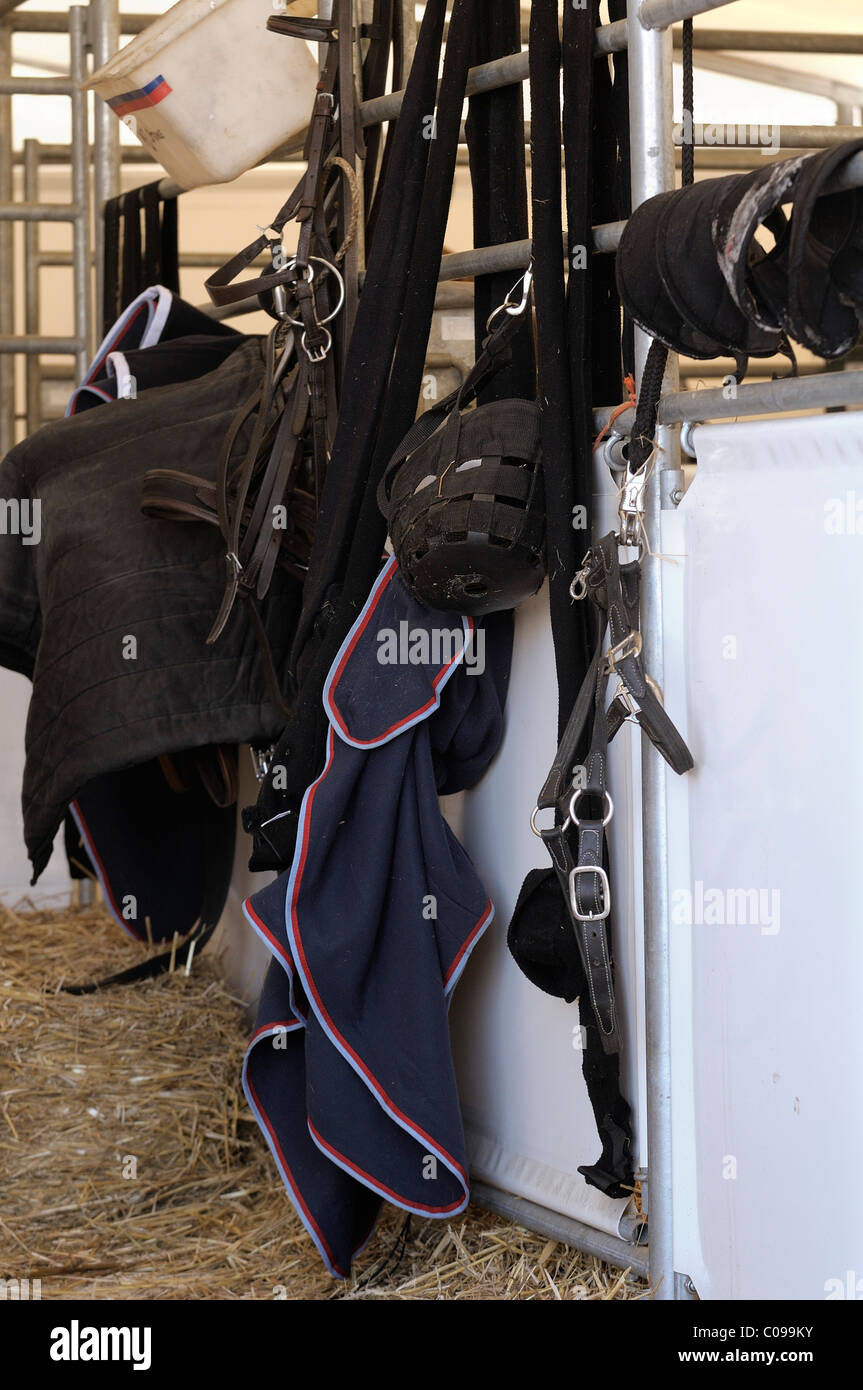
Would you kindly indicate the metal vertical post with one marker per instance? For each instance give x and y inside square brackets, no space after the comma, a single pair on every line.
[650,116]
[32,365]
[7,254]
[80,160]
[104,16]
[409,34]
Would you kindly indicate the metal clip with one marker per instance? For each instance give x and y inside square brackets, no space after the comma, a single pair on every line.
[623,696]
[631,509]
[526,280]
[578,587]
[628,646]
[235,567]
[262,760]
[512,306]
[604,885]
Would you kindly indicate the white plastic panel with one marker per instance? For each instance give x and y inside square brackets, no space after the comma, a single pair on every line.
[527,1116]
[768,1023]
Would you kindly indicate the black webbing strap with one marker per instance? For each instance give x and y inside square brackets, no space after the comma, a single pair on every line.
[132,260]
[111,265]
[555,383]
[495,142]
[132,276]
[375,64]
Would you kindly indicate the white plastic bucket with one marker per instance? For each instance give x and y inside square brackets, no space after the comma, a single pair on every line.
[209,91]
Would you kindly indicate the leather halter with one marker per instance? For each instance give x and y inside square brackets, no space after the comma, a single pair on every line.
[613,591]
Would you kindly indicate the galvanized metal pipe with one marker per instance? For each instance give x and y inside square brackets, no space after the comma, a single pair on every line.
[652,158]
[810,391]
[12,343]
[82,281]
[104,41]
[761,41]
[775,75]
[800,137]
[55,22]
[32,368]
[7,253]
[563,1228]
[39,212]
[36,87]
[658,14]
[820,391]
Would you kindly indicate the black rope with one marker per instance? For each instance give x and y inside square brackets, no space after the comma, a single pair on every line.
[688,149]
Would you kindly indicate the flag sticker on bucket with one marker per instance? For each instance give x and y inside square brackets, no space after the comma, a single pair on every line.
[151,95]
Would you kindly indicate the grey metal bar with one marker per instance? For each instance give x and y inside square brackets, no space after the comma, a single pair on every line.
[612,38]
[762,41]
[32,370]
[7,253]
[39,212]
[36,87]
[810,391]
[501,72]
[81,278]
[819,391]
[729,157]
[801,137]
[566,1229]
[11,343]
[200,260]
[776,76]
[658,14]
[650,116]
[104,41]
[55,22]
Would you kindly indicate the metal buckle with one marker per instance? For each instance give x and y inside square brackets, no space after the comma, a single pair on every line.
[584,791]
[627,647]
[606,893]
[317,354]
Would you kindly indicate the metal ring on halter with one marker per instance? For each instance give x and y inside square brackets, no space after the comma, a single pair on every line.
[583,791]
[298,323]
[319,353]
[540,834]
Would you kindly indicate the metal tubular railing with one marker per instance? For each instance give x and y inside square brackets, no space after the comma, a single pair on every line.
[658,14]
[7,252]
[31,212]
[652,164]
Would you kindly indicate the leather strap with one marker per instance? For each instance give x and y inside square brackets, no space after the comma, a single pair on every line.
[223,286]
[614,593]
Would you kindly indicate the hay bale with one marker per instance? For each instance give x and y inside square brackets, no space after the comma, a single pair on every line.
[134,1169]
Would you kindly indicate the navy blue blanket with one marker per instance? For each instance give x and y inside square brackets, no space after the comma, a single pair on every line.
[349,1070]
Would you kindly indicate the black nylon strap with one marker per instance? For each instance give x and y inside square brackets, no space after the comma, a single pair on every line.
[555,382]
[111,265]
[495,142]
